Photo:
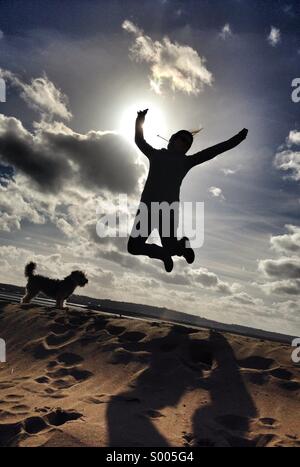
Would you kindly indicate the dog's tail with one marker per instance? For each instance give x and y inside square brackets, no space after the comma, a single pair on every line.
[29,268]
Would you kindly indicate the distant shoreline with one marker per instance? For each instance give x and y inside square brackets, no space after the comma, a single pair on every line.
[12,293]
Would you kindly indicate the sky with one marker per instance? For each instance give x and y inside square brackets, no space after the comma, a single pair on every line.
[76,72]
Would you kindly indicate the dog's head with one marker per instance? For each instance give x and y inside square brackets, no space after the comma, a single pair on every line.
[79,278]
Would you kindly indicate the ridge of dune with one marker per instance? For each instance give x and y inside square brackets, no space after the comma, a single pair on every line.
[82,378]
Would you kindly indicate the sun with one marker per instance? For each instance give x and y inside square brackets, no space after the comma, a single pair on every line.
[154,123]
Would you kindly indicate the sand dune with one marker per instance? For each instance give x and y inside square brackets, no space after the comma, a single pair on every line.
[80,378]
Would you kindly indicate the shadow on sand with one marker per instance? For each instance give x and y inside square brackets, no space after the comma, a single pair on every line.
[178,364]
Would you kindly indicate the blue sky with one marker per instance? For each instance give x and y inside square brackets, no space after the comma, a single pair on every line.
[77,71]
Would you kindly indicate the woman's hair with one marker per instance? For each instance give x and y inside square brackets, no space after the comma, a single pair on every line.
[184,134]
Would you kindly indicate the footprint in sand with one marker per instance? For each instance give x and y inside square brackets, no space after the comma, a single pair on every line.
[54,341]
[69,359]
[60,417]
[66,376]
[39,349]
[14,397]
[58,373]
[57,328]
[6,385]
[22,378]
[62,383]
[54,394]
[188,438]
[20,409]
[97,324]
[42,409]
[52,364]
[289,385]
[115,330]
[269,422]
[133,336]
[78,321]
[32,425]
[42,380]
[80,375]
[256,363]
[281,373]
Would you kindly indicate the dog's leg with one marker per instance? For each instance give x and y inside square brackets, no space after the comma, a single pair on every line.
[60,303]
[27,298]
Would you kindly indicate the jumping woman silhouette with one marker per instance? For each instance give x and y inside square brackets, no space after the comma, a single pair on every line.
[167,169]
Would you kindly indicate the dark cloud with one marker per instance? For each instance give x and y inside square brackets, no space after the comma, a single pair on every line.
[283,268]
[103,160]
[26,153]
[285,287]
[50,159]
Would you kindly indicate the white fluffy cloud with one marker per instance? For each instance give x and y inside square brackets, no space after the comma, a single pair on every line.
[41,95]
[274,37]
[288,158]
[288,243]
[294,137]
[244,298]
[226,31]
[283,274]
[216,192]
[15,206]
[180,66]
[229,171]
[289,161]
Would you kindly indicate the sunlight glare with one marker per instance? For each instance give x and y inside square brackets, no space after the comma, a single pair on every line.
[154,123]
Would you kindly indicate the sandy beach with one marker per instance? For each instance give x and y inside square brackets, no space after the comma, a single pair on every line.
[82,378]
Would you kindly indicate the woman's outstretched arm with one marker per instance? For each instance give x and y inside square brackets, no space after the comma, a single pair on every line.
[139,135]
[214,151]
